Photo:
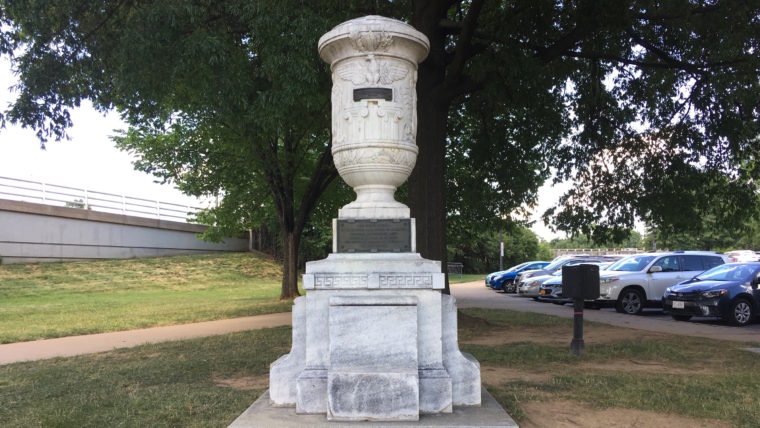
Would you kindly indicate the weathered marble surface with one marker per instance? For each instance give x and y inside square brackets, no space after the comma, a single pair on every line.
[263,413]
[373,358]
[373,396]
[447,377]
[282,372]
[463,368]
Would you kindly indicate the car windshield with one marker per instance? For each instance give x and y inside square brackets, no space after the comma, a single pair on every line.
[631,264]
[514,268]
[729,273]
[556,264]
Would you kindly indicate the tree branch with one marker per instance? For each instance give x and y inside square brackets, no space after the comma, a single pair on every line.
[678,65]
[462,87]
[659,16]
[324,173]
[454,70]
[569,40]
[108,17]
[666,57]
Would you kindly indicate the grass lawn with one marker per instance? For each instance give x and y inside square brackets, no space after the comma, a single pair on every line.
[60,299]
[468,277]
[524,358]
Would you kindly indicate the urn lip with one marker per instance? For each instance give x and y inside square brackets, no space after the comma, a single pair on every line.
[375,24]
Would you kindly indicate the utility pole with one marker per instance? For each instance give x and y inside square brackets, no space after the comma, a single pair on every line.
[501,249]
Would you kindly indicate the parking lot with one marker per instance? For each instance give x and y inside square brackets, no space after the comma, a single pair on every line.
[475,294]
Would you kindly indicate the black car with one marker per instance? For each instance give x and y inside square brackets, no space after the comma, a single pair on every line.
[728,291]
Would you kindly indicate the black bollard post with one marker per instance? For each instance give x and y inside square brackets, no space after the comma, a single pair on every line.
[577,346]
[580,282]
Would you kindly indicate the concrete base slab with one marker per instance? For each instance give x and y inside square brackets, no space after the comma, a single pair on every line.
[263,414]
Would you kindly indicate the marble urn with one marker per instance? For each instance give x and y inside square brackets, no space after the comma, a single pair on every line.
[374,117]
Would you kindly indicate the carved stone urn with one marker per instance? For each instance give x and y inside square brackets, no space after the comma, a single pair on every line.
[374,109]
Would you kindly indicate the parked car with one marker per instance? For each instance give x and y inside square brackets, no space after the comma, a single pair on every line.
[728,291]
[530,287]
[491,275]
[742,256]
[554,266]
[638,281]
[551,290]
[505,280]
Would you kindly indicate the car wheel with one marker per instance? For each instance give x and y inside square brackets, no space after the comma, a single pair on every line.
[681,317]
[630,301]
[741,313]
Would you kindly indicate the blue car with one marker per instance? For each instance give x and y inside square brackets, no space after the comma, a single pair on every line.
[729,291]
[505,280]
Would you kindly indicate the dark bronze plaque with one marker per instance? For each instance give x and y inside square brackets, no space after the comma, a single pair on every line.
[373,94]
[375,236]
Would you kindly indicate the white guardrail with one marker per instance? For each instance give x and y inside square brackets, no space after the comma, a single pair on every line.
[596,251]
[64,196]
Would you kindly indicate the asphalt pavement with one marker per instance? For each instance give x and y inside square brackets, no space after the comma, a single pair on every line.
[476,294]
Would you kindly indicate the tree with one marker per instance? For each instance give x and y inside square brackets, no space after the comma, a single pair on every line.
[479,252]
[687,70]
[633,240]
[225,97]
[649,106]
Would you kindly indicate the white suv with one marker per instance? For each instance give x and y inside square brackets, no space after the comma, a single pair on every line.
[637,281]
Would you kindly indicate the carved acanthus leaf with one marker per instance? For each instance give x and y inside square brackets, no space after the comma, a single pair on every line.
[370,41]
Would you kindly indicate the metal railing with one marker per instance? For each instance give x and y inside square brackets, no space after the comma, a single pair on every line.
[64,196]
[595,251]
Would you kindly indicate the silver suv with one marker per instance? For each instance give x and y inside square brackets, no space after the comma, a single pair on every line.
[637,281]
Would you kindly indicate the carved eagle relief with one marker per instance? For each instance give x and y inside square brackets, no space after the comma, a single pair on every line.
[371,72]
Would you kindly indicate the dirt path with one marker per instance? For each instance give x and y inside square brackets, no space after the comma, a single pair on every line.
[563,413]
[92,343]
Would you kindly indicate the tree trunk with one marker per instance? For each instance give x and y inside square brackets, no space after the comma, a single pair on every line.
[290,244]
[427,184]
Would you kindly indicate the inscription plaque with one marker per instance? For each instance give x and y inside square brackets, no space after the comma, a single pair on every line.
[373,94]
[374,236]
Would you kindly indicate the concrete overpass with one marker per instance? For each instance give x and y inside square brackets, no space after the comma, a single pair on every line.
[32,232]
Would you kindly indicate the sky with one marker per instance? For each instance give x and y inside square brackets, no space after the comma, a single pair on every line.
[89,160]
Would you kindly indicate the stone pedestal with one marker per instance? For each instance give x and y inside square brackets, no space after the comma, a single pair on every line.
[374,339]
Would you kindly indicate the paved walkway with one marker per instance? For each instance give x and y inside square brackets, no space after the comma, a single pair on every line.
[472,294]
[92,343]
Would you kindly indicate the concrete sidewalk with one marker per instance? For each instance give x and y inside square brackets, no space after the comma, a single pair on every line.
[92,343]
